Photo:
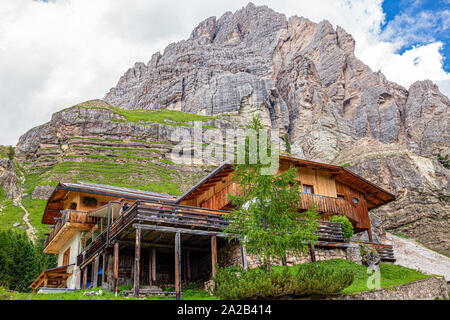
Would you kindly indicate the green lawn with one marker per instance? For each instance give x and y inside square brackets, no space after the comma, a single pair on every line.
[189,294]
[390,275]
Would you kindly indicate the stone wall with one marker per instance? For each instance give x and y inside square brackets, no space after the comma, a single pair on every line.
[425,289]
[230,255]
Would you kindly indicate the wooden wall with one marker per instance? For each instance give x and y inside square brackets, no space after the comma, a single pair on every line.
[77,197]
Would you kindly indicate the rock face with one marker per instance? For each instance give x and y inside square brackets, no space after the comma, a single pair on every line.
[96,142]
[304,78]
[300,77]
[8,179]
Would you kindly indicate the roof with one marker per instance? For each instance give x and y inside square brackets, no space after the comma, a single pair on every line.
[56,200]
[216,173]
[375,194]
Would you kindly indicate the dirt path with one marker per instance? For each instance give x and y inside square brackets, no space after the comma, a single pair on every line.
[31,231]
[413,255]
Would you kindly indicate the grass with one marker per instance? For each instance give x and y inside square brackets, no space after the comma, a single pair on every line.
[96,139]
[166,117]
[128,174]
[188,294]
[390,275]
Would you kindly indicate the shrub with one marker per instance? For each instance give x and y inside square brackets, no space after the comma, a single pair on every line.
[320,279]
[311,279]
[347,227]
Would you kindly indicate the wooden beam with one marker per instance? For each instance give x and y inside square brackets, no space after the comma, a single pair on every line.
[104,268]
[188,267]
[150,272]
[154,264]
[180,230]
[85,271]
[312,253]
[178,265]
[160,245]
[137,261]
[95,272]
[213,256]
[116,266]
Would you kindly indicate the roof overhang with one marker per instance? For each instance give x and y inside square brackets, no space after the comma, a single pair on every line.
[375,195]
[56,201]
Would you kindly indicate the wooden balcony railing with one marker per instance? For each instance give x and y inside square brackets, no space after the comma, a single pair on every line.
[325,204]
[69,216]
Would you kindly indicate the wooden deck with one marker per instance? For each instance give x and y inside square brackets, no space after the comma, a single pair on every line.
[52,278]
[163,217]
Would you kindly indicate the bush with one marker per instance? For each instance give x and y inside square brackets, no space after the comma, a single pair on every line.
[347,227]
[319,279]
[311,279]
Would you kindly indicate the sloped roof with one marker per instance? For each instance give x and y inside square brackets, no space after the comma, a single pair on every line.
[56,200]
[374,194]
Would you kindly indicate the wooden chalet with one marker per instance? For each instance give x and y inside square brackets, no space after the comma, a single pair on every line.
[120,236]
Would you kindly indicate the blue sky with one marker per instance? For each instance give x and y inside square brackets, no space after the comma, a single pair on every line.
[419,23]
[57,53]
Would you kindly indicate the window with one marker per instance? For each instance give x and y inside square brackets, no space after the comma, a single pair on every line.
[66,257]
[308,189]
[355,200]
[341,196]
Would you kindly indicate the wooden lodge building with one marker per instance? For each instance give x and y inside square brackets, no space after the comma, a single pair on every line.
[109,236]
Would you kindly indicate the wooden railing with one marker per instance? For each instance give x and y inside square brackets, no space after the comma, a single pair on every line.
[325,204]
[182,215]
[102,239]
[69,216]
[155,213]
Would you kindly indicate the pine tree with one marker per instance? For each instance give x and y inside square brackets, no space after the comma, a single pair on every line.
[267,220]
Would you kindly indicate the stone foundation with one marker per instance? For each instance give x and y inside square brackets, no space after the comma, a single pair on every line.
[230,255]
[425,289]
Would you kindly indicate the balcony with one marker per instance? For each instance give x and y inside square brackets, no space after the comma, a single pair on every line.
[66,226]
[325,204]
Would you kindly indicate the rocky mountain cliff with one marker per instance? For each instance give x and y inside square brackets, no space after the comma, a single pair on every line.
[300,77]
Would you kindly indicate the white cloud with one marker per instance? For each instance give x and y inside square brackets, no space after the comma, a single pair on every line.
[56,54]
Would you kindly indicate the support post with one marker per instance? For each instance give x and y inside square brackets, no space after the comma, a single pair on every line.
[154,264]
[150,272]
[95,272]
[312,252]
[104,269]
[369,233]
[116,266]
[178,266]
[85,270]
[213,256]
[188,267]
[244,256]
[109,223]
[137,261]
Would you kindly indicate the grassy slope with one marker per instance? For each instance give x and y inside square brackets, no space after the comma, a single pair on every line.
[133,167]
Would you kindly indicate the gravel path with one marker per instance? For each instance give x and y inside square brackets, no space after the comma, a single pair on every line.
[30,230]
[413,255]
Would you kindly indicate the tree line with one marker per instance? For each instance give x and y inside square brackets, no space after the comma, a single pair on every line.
[21,260]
